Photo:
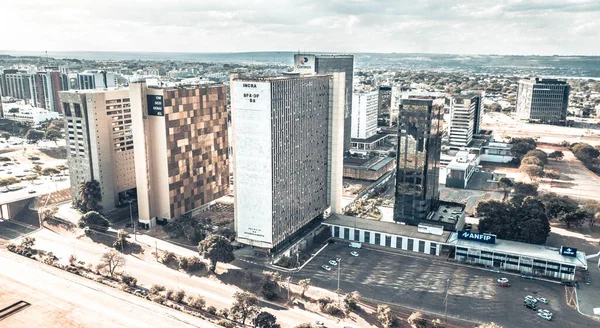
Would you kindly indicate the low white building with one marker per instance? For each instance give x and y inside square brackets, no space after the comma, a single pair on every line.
[27,113]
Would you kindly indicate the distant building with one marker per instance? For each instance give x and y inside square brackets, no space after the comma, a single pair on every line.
[27,113]
[543,100]
[384,104]
[327,64]
[364,114]
[288,154]
[460,170]
[465,112]
[181,149]
[47,85]
[97,80]
[418,159]
[100,143]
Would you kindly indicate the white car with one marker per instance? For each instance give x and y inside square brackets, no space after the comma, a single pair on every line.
[333,262]
[545,316]
[326,267]
[502,280]
[354,253]
[542,300]
[531,299]
[546,312]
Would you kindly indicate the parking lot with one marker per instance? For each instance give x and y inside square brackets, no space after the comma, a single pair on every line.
[420,282]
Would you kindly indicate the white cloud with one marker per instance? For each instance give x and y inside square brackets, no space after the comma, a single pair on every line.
[442,26]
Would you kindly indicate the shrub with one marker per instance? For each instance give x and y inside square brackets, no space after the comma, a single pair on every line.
[323,302]
[168,257]
[128,280]
[11,247]
[223,313]
[155,289]
[158,299]
[4,159]
[178,296]
[191,264]
[211,309]
[304,325]
[332,309]
[225,323]
[169,293]
[33,158]
[197,302]
[72,259]
[285,262]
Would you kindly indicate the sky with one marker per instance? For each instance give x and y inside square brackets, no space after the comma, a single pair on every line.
[521,27]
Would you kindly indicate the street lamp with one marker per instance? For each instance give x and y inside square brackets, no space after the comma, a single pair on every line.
[339,260]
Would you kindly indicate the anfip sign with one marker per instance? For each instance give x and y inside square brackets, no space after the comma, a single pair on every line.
[568,251]
[481,237]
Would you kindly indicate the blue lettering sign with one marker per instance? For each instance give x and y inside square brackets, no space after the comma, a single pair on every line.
[481,237]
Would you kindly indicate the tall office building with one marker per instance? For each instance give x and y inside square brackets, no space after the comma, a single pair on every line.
[543,100]
[364,114]
[418,158]
[465,111]
[181,148]
[97,80]
[327,64]
[288,154]
[100,142]
[47,85]
[17,84]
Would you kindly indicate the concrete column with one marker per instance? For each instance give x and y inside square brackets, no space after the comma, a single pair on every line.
[336,137]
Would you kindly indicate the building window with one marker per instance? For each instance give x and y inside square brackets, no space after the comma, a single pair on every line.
[421,246]
[356,234]
[398,242]
[67,109]
[410,244]
[347,233]
[77,108]
[336,231]
[388,241]
[377,239]
[433,249]
[367,237]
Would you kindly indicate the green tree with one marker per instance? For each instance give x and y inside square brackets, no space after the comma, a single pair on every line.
[557,206]
[13,110]
[5,135]
[121,242]
[576,218]
[36,169]
[539,154]
[532,160]
[48,212]
[351,301]
[94,221]
[527,189]
[269,287]
[193,230]
[520,147]
[265,320]
[506,184]
[585,153]
[304,284]
[245,305]
[49,171]
[34,135]
[53,135]
[416,320]
[216,248]
[385,316]
[61,168]
[197,302]
[4,182]
[89,196]
[556,155]
[28,242]
[111,261]
[533,171]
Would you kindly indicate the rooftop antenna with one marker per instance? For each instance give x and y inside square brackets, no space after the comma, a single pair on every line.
[46,56]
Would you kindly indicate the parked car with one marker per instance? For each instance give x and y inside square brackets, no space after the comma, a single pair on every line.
[531,306]
[527,276]
[501,280]
[542,300]
[333,262]
[353,253]
[495,270]
[326,267]
[504,284]
[544,316]
[319,324]
[31,191]
[355,245]
[544,311]
[568,283]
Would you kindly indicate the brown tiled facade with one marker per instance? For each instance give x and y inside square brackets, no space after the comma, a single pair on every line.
[197,146]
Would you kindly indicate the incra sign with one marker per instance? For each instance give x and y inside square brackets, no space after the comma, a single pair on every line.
[482,237]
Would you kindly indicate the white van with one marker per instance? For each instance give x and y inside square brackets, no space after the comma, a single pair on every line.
[355,245]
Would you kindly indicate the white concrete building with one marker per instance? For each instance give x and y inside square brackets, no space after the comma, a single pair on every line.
[97,80]
[288,140]
[364,114]
[27,113]
[462,119]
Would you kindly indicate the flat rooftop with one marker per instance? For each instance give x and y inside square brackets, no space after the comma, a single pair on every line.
[372,164]
[371,139]
[384,227]
[530,250]
[448,213]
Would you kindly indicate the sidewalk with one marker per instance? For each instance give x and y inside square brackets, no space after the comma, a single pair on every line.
[589,295]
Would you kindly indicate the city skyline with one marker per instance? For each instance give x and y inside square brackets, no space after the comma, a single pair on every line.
[534,27]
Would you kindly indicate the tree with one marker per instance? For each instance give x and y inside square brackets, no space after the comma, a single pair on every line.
[489,325]
[584,152]
[245,305]
[574,218]
[557,206]
[269,287]
[36,169]
[556,155]
[539,154]
[552,175]
[592,208]
[48,212]
[89,196]
[5,135]
[506,184]
[53,135]
[304,284]
[527,189]
[197,302]
[533,171]
[4,182]
[49,171]
[13,110]
[61,168]
[216,249]
[193,230]
[351,301]
[532,160]
[265,320]
[94,221]
[111,261]
[416,320]
[520,147]
[385,316]
[121,241]
[34,135]
[28,242]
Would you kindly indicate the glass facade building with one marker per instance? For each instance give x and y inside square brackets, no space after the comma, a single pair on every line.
[543,100]
[418,159]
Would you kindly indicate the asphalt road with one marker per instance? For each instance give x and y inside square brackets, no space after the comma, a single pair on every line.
[421,283]
[60,299]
